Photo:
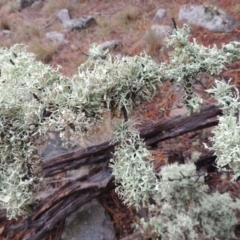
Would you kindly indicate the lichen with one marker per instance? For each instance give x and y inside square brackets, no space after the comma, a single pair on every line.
[20,120]
[188,59]
[36,99]
[185,210]
[132,168]
[225,140]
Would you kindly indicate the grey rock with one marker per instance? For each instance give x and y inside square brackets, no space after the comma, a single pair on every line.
[63,15]
[161,30]
[37,4]
[111,45]
[90,222]
[209,17]
[178,108]
[26,3]
[5,32]
[159,15]
[119,56]
[75,23]
[56,37]
[79,23]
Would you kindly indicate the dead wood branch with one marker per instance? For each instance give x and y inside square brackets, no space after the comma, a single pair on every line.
[176,126]
[169,128]
[64,201]
[73,194]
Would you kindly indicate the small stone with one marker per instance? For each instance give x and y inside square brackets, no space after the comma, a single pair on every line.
[79,23]
[26,3]
[90,222]
[75,23]
[209,17]
[56,37]
[159,15]
[37,4]
[111,45]
[161,30]
[5,32]
[63,15]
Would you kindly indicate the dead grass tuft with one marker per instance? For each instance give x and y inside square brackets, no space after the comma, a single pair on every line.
[154,42]
[24,32]
[124,17]
[104,25]
[10,5]
[51,7]
[44,50]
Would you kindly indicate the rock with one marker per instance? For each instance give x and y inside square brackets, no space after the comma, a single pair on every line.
[37,4]
[178,108]
[26,3]
[90,222]
[5,32]
[159,15]
[79,23]
[56,37]
[111,45]
[209,17]
[119,56]
[161,30]
[75,23]
[63,15]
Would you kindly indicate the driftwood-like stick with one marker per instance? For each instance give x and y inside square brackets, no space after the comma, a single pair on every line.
[179,125]
[169,128]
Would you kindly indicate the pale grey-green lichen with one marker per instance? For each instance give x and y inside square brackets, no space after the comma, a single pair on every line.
[20,121]
[182,209]
[42,100]
[116,84]
[185,210]
[103,83]
[132,168]
[225,140]
[189,59]
[36,99]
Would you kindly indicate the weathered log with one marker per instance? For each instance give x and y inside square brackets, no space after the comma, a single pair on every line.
[73,194]
[176,126]
[64,201]
[163,130]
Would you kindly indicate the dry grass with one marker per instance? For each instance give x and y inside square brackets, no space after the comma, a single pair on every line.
[51,7]
[127,21]
[156,45]
[154,42]
[44,50]
[236,9]
[104,25]
[12,5]
[126,16]
[26,31]
[4,23]
[75,62]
